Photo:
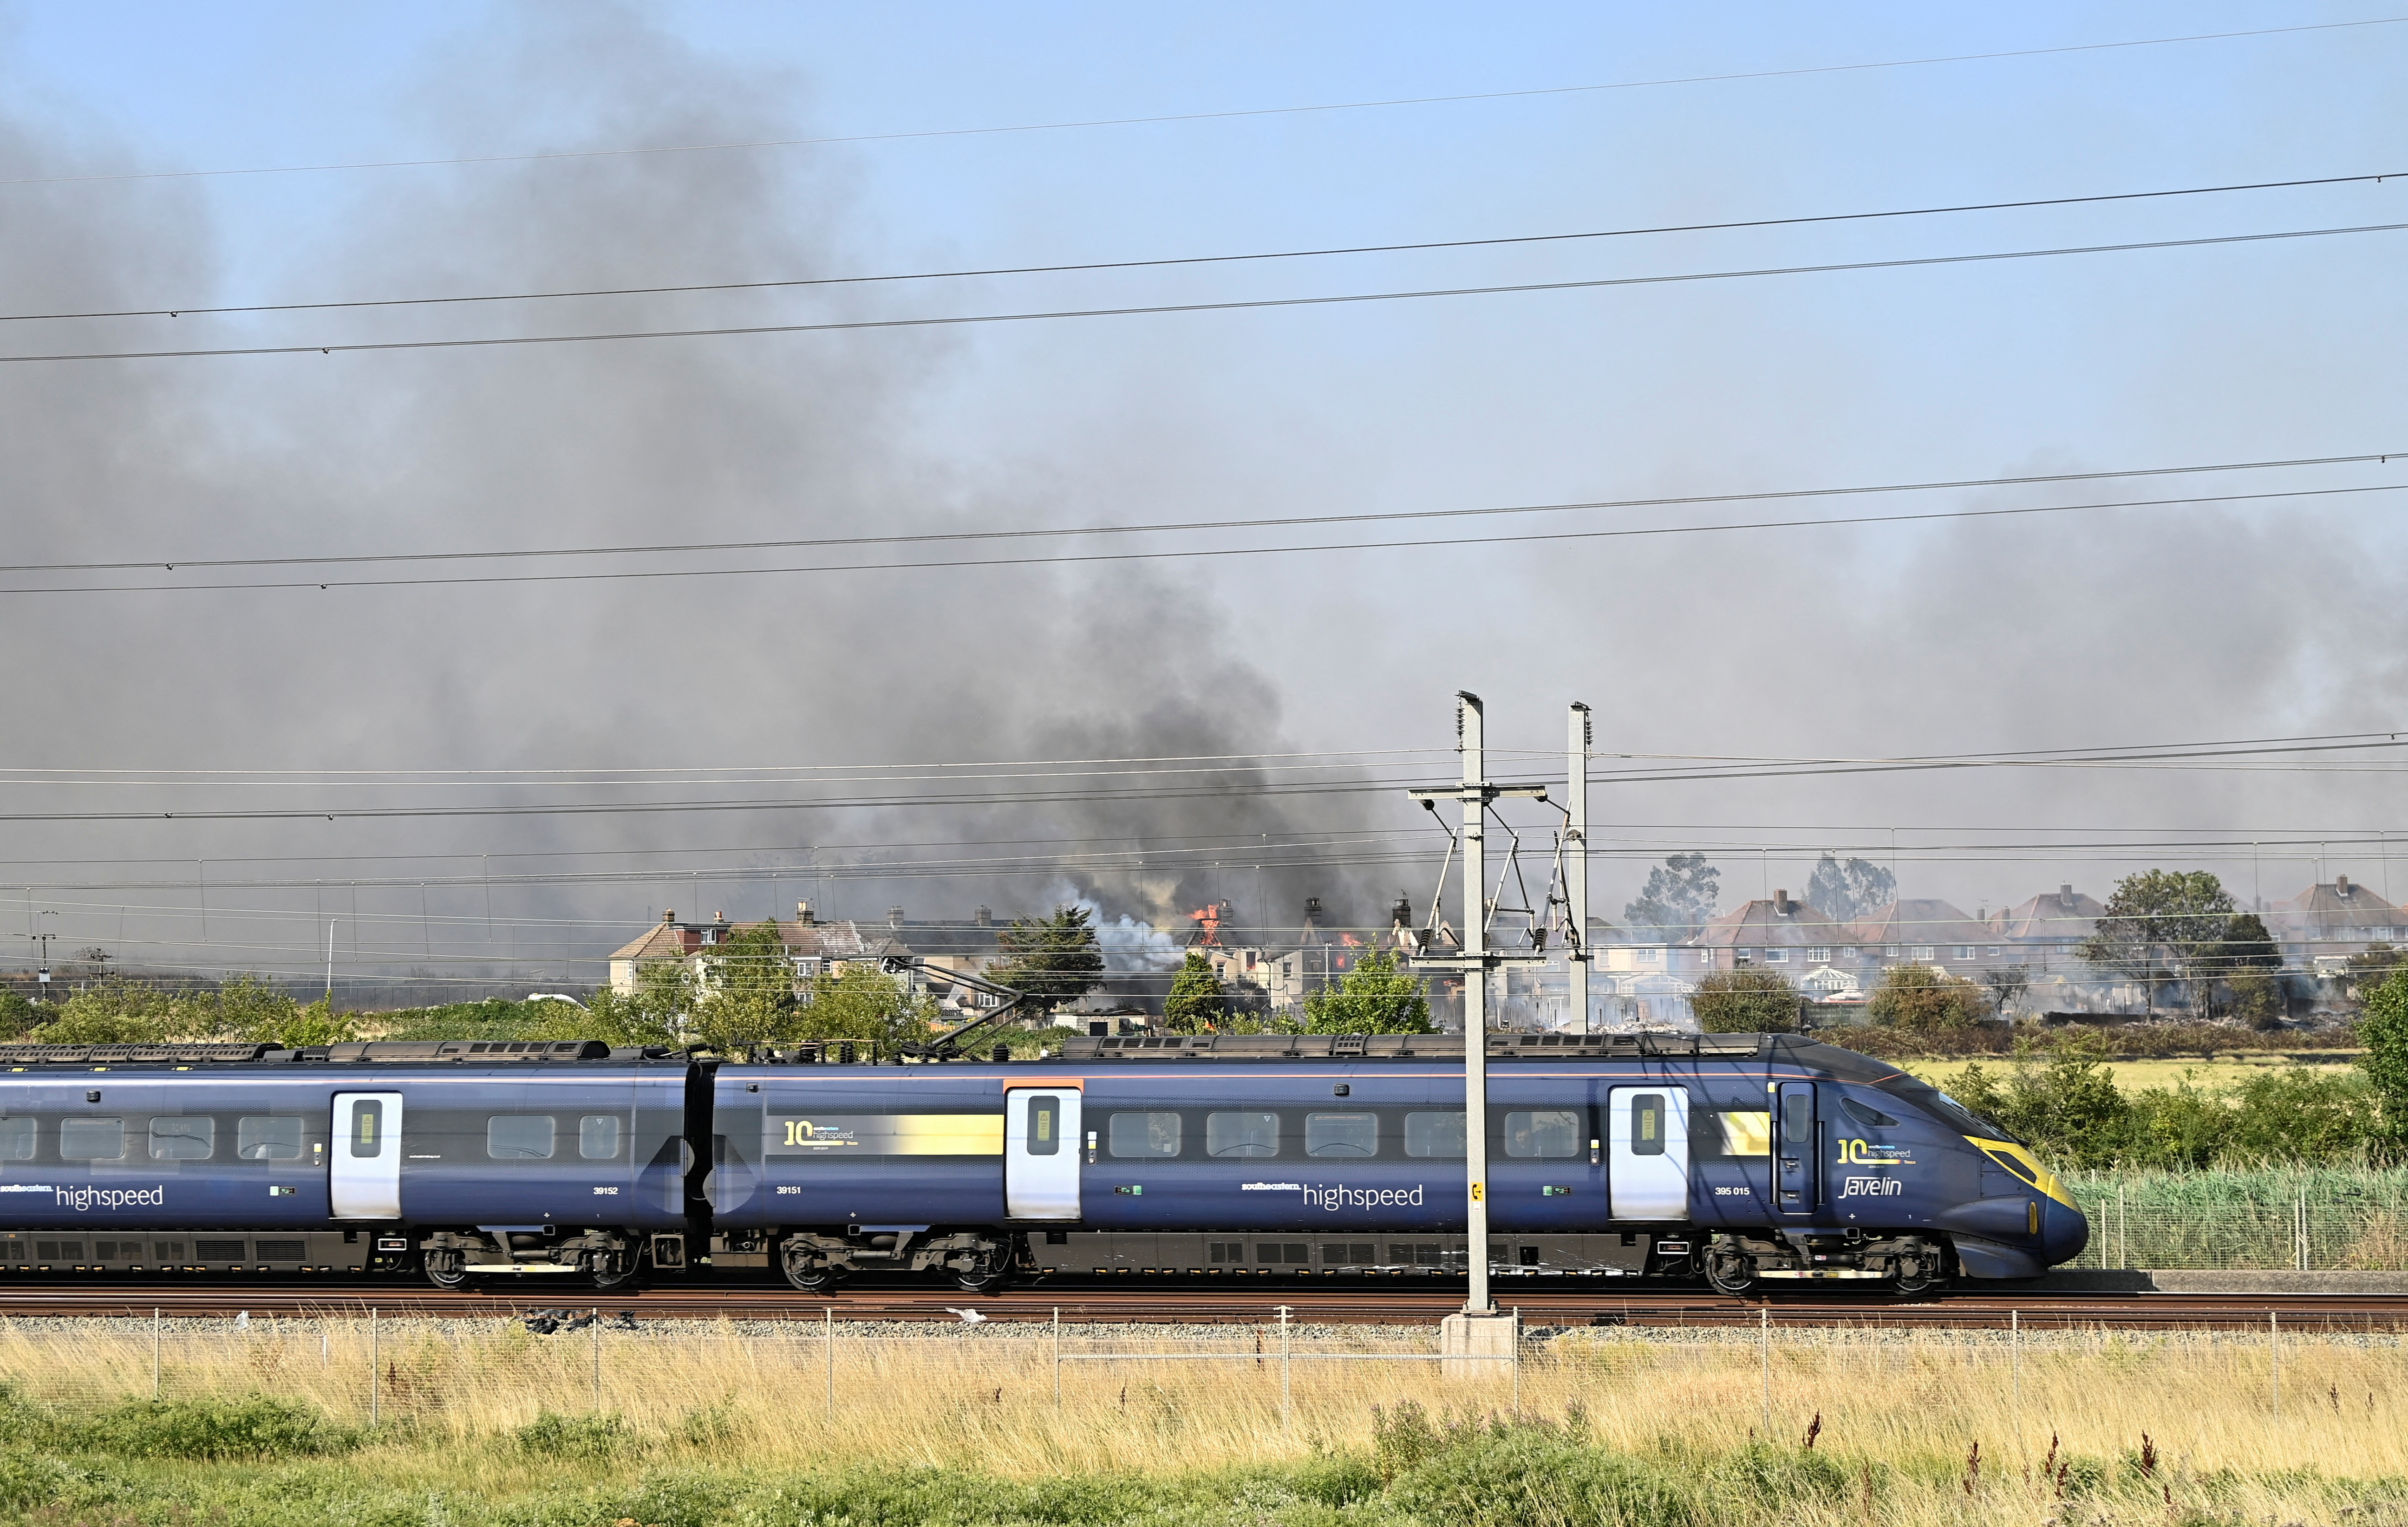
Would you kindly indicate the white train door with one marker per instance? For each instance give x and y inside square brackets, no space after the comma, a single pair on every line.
[1041,1152]
[1647,1173]
[364,1178]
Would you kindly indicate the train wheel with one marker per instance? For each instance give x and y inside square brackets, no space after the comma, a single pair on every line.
[986,1276]
[1731,1274]
[447,1272]
[811,1273]
[617,1274]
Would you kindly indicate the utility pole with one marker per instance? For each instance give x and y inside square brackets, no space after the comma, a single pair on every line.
[1475,962]
[1576,951]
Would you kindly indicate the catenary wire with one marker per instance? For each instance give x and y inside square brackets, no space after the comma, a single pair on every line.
[1164,527]
[201,310]
[1194,552]
[1209,116]
[1236,305]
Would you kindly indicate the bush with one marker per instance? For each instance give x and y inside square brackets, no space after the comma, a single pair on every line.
[1748,999]
[255,1427]
[1515,1474]
[555,1435]
[1921,1000]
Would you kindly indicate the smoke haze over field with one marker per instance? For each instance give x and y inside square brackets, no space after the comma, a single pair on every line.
[2164,624]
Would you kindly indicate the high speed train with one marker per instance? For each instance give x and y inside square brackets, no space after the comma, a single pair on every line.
[1745,1160]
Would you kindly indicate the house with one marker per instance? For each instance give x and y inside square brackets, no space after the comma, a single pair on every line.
[2046,931]
[812,946]
[2329,923]
[1925,931]
[1785,934]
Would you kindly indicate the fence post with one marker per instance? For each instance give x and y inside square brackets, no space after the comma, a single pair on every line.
[375,1383]
[154,1352]
[830,1344]
[1764,1348]
[1057,1357]
[2123,1231]
[2300,1232]
[1287,1364]
[1518,1363]
[2015,1364]
[2274,1350]
[596,1313]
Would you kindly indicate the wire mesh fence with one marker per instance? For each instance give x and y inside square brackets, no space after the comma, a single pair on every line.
[2305,1221]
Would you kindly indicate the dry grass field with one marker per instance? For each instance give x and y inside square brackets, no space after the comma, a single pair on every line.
[1865,1425]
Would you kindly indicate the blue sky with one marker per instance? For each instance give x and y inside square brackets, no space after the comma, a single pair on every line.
[2107,628]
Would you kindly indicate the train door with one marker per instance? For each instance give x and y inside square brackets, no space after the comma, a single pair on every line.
[1647,1175]
[1041,1152]
[364,1179]
[1797,1157]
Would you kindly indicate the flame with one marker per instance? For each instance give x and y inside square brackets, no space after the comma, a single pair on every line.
[1210,918]
[1350,941]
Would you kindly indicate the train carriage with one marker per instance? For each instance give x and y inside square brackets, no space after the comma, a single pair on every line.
[464,1159]
[1744,1158]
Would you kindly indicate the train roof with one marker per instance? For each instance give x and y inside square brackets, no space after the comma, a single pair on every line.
[369,1052]
[1789,1048]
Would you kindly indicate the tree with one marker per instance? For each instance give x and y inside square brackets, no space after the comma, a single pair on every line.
[1374,997]
[1748,1000]
[2007,984]
[1197,1001]
[2165,925]
[1678,898]
[16,1015]
[865,1003]
[1921,1000]
[1840,890]
[1054,960]
[2384,1032]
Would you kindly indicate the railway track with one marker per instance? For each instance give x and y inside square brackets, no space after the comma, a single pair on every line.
[1173,1304]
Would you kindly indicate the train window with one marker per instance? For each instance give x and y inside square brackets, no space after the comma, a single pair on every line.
[1647,1124]
[1869,1117]
[2018,1168]
[17,1138]
[1341,1135]
[1550,1132]
[1434,1134]
[1796,1116]
[368,1127]
[519,1137]
[1746,1131]
[1242,1134]
[267,1138]
[597,1137]
[91,1139]
[184,1139]
[1145,1134]
[1044,1126]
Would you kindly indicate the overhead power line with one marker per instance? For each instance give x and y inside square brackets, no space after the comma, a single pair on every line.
[1160,527]
[1230,115]
[1196,553]
[1240,305]
[1425,246]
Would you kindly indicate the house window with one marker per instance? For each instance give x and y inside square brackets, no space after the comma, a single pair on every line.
[1818,957]
[1775,957]
[1964,951]
[1994,952]
[1890,952]
[1925,953]
[1650,957]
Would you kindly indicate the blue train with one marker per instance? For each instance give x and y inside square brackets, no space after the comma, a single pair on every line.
[1745,1160]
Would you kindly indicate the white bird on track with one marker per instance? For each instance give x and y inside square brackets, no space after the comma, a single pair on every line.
[969,1316]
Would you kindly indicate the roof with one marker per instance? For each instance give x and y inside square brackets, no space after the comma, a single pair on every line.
[2063,914]
[1779,924]
[825,940]
[1920,921]
[2341,910]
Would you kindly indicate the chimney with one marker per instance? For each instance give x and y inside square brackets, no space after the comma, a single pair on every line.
[895,917]
[2340,885]
[983,916]
[1312,911]
[2065,897]
[668,917]
[1781,903]
[718,916]
[1402,915]
[803,914]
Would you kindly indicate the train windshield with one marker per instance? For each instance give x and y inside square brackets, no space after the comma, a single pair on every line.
[1931,1099]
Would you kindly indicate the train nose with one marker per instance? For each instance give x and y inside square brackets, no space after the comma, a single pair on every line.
[2063,1232]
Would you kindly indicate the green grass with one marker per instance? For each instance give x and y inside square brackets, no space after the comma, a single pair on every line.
[2356,1218]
